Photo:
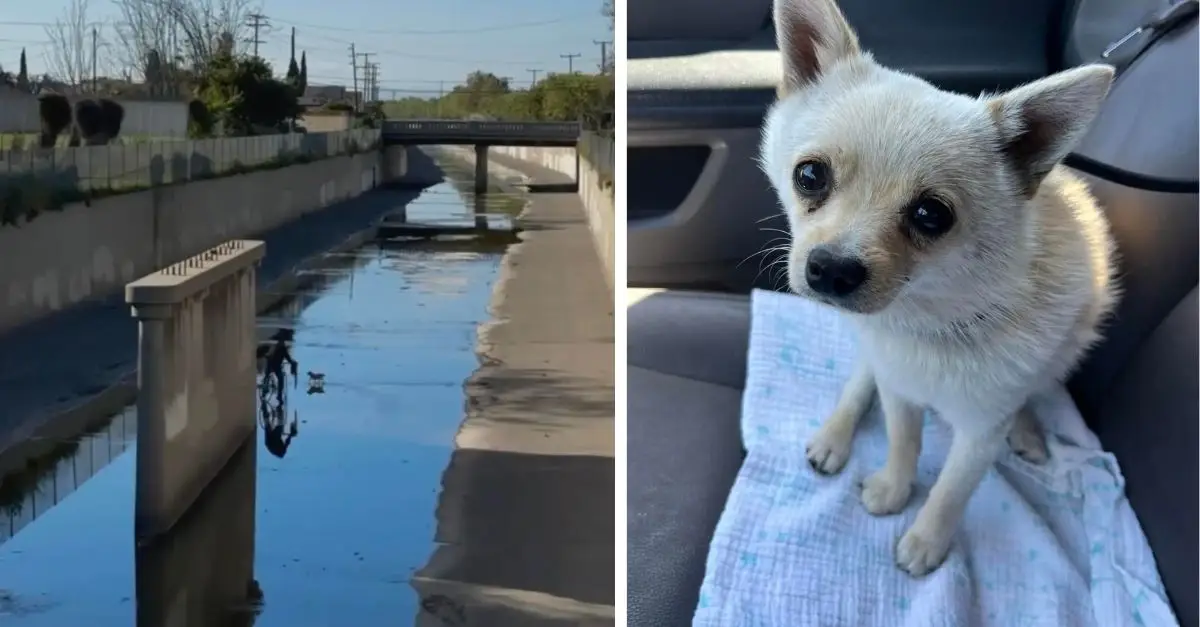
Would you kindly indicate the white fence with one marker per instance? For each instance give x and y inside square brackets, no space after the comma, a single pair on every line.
[162,162]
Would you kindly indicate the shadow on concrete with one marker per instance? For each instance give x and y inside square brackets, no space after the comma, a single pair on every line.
[553,188]
[24,195]
[536,394]
[207,557]
[420,161]
[525,522]
[180,169]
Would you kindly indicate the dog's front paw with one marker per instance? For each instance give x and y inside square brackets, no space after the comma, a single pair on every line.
[885,493]
[829,449]
[920,551]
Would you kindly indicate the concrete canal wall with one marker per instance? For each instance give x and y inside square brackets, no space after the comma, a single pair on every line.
[92,249]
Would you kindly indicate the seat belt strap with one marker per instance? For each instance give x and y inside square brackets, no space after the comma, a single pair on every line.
[1160,24]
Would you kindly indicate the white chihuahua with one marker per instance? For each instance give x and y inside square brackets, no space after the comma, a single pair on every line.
[976,270]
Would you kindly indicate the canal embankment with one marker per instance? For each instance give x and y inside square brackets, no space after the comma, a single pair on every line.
[526,525]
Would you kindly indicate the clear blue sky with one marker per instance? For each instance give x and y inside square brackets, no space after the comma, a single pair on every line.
[408,38]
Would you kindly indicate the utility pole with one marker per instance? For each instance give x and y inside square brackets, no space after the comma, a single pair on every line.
[354,73]
[257,21]
[366,67]
[603,54]
[570,61]
[375,81]
[534,73]
[95,49]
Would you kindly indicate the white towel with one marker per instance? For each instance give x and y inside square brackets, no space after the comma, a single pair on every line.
[1053,546]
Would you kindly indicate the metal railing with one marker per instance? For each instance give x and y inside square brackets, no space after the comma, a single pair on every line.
[471,129]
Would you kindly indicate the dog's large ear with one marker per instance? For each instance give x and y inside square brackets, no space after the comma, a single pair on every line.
[811,35]
[1041,122]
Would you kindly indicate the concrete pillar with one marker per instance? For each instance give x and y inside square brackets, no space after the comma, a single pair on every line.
[480,205]
[151,407]
[481,168]
[196,377]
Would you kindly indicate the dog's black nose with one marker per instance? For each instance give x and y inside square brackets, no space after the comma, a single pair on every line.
[833,275]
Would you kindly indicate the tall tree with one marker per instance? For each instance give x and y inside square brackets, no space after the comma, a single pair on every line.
[70,52]
[303,72]
[155,74]
[23,74]
[293,71]
[191,32]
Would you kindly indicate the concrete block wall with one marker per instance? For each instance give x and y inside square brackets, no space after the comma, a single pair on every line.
[158,118]
[594,191]
[85,251]
[162,162]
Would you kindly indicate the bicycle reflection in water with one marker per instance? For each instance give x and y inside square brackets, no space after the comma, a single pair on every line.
[272,416]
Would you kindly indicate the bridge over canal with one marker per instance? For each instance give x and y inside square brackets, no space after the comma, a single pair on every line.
[482,135]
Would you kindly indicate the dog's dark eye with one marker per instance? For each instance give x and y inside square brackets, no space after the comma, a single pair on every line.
[811,178]
[930,217]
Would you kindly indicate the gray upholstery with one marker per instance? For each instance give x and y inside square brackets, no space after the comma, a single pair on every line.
[1138,390]
[1149,421]
[686,370]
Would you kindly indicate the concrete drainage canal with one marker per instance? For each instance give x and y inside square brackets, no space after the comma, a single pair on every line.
[325,517]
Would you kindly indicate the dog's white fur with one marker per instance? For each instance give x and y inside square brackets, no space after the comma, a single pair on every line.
[974,324]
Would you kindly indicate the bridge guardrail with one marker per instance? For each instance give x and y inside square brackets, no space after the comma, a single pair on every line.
[475,128]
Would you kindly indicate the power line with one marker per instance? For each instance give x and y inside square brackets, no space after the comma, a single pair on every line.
[417,57]
[454,31]
[442,92]
[404,85]
[534,72]
[570,61]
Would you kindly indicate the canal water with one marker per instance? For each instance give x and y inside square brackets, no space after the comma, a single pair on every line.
[335,519]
